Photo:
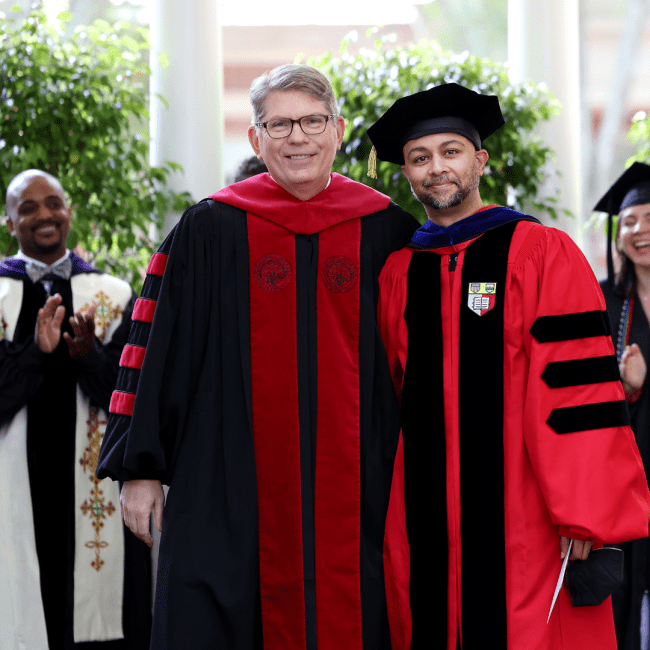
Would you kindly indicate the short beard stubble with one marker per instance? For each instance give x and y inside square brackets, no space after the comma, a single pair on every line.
[463,191]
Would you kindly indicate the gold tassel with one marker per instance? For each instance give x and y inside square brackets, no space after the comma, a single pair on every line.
[372,163]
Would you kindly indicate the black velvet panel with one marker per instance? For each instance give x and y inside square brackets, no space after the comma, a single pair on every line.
[381,234]
[423,428]
[51,418]
[579,372]
[306,277]
[588,417]
[480,410]
[567,327]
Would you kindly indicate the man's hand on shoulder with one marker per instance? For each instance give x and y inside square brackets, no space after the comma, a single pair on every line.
[83,328]
[137,500]
[48,324]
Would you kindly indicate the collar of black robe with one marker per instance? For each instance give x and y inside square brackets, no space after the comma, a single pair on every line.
[341,201]
[430,235]
[14,267]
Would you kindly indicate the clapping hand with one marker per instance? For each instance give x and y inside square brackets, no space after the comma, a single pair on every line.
[83,327]
[48,324]
[633,369]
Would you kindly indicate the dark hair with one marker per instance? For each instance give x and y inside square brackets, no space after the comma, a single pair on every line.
[625,281]
[249,167]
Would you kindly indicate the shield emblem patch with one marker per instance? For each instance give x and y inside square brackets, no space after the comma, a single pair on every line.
[481,297]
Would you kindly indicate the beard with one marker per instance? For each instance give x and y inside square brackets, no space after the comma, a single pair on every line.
[465,188]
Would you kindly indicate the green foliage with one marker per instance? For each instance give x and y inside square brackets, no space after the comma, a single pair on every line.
[369,83]
[639,134]
[78,108]
[448,21]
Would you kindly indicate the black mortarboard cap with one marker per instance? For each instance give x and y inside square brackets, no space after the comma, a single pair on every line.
[631,182]
[448,108]
[631,188]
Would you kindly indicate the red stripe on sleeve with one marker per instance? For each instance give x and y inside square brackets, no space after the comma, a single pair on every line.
[122,403]
[157,264]
[132,357]
[143,310]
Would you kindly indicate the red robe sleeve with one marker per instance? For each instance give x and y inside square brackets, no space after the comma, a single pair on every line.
[390,314]
[390,318]
[591,478]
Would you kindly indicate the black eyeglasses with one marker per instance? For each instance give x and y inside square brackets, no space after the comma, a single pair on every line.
[281,127]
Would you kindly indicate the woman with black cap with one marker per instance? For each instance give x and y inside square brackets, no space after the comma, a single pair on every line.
[627,294]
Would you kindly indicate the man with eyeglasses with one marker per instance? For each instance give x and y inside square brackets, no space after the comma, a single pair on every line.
[255,384]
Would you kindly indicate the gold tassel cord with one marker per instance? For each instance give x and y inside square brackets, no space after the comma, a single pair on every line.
[372,163]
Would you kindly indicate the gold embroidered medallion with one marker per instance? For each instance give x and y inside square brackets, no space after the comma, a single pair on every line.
[105,313]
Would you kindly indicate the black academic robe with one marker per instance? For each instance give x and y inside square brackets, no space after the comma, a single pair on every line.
[46,384]
[255,384]
[626,600]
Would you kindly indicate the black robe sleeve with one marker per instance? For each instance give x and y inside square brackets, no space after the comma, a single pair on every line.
[21,375]
[145,445]
[98,369]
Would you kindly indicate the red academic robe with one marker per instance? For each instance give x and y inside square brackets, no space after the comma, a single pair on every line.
[256,385]
[514,432]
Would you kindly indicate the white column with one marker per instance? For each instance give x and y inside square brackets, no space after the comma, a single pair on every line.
[190,131]
[543,47]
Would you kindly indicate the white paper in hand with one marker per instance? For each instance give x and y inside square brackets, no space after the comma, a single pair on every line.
[560,580]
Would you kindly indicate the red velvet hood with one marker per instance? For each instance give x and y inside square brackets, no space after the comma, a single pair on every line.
[343,200]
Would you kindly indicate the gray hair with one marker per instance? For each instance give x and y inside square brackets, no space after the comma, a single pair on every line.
[292,77]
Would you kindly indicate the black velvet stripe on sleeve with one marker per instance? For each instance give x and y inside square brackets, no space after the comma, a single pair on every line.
[567,327]
[139,334]
[579,372]
[127,380]
[151,287]
[589,417]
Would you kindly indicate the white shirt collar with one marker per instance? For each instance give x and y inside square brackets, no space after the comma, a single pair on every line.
[22,256]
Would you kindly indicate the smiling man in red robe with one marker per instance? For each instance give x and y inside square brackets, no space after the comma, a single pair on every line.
[515,429]
[255,384]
